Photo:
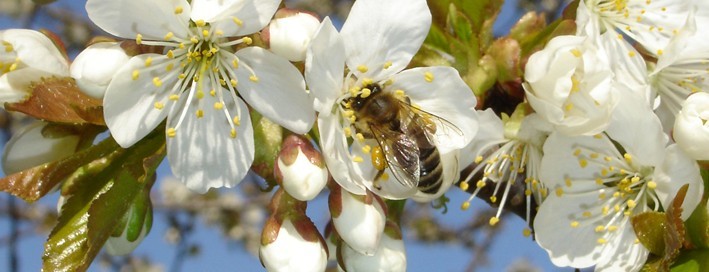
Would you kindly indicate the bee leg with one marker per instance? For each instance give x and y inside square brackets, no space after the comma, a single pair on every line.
[375,182]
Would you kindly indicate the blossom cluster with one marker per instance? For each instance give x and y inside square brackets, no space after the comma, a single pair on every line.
[612,124]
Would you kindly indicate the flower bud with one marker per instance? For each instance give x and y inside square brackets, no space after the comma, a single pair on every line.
[690,129]
[390,256]
[289,33]
[35,145]
[359,220]
[300,169]
[290,241]
[94,67]
[26,56]
[134,226]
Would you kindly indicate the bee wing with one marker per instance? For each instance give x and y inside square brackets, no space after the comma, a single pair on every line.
[401,154]
[431,123]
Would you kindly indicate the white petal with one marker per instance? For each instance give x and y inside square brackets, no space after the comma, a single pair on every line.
[678,169]
[627,256]
[389,187]
[29,148]
[14,86]
[337,155]
[279,90]
[445,96]
[290,252]
[377,32]
[35,50]
[152,19]
[638,130]
[325,66]
[490,134]
[129,105]
[203,154]
[559,162]
[253,14]
[690,131]
[553,230]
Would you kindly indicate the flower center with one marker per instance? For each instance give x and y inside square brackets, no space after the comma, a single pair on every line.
[8,58]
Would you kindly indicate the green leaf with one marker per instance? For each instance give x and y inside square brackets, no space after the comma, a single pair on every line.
[36,182]
[692,261]
[698,226]
[98,197]
[650,229]
[60,100]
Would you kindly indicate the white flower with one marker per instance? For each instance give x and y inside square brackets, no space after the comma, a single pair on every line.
[376,43]
[690,129]
[198,83]
[597,189]
[94,67]
[290,32]
[390,256]
[291,252]
[26,56]
[300,169]
[358,223]
[681,70]
[30,147]
[570,84]
[504,155]
[650,23]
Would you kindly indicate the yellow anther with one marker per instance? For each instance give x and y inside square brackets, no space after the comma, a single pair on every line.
[600,229]
[199,113]
[465,205]
[574,224]
[559,191]
[159,105]
[428,76]
[567,181]
[480,184]
[347,131]
[219,32]
[367,81]
[233,82]
[135,74]
[254,78]
[213,93]
[179,10]
[605,210]
[365,92]
[148,61]
[400,93]
[174,97]
[577,152]
[599,181]
[218,105]
[359,137]
[200,23]
[631,54]
[181,76]
[494,220]
[169,67]
[464,185]
[232,133]
[601,241]
[612,228]
[362,68]
[493,199]
[138,39]
[387,64]
[628,158]
[8,47]
[169,36]
[478,159]
[237,21]
[247,40]
[583,163]
[236,120]
[652,185]
[171,132]
[586,214]
[205,33]
[526,232]
[200,94]
[157,82]
[631,203]
[366,149]
[577,53]
[195,41]
[357,159]
[660,52]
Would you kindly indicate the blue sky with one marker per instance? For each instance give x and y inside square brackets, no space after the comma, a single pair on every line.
[218,255]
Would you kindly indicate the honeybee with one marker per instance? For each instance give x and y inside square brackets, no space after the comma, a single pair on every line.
[405,136]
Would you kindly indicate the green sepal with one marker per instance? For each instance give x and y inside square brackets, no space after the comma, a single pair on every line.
[268,137]
[692,261]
